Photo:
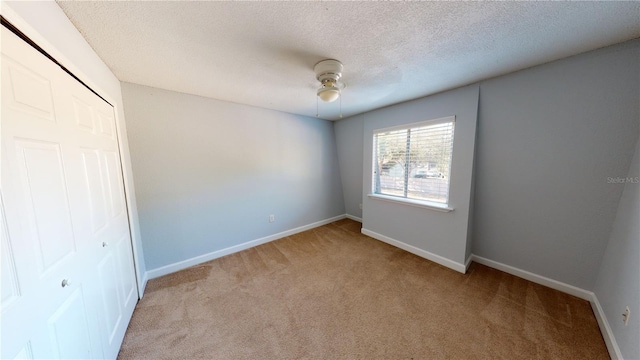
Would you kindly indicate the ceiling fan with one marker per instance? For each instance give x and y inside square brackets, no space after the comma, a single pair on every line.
[329,72]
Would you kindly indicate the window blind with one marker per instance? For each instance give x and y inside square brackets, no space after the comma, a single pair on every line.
[414,161]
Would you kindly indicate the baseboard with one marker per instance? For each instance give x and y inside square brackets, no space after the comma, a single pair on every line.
[414,250]
[605,329]
[181,265]
[354,218]
[468,263]
[538,279]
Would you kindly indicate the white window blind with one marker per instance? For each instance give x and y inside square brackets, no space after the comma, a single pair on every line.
[414,161]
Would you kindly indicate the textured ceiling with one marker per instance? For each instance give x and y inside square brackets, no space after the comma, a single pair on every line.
[263,53]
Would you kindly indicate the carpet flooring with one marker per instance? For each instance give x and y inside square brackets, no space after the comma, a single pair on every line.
[333,293]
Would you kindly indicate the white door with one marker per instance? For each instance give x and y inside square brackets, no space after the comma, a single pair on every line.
[68,283]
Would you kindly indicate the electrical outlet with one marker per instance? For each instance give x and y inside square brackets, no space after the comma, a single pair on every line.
[272,218]
[360,206]
[626,315]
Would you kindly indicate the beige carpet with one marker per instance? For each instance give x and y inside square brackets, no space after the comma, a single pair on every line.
[333,293]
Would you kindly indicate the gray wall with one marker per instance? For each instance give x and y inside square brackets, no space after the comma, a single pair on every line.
[349,145]
[617,284]
[208,173]
[439,233]
[548,138]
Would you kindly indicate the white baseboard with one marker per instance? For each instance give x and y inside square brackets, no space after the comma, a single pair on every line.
[467,263]
[538,279]
[354,218]
[414,250]
[605,329]
[181,265]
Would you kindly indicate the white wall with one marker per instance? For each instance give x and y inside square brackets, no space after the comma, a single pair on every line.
[443,234]
[617,284]
[47,25]
[548,138]
[348,134]
[209,173]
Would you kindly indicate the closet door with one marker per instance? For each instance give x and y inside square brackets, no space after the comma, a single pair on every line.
[68,284]
[102,189]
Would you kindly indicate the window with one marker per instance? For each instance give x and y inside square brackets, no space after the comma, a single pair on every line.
[414,161]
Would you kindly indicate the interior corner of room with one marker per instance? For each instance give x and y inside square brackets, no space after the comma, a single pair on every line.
[543,181]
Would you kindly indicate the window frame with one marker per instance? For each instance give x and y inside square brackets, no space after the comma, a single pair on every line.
[443,207]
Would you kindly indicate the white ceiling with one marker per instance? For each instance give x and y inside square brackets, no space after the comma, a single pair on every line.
[263,53]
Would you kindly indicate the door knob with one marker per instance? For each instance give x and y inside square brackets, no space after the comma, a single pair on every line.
[105,244]
[66,282]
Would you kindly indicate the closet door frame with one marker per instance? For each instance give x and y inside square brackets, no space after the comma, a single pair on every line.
[43,45]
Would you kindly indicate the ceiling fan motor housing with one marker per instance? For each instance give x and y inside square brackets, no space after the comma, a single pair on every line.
[328,71]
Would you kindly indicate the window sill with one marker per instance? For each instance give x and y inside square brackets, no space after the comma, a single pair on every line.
[411,202]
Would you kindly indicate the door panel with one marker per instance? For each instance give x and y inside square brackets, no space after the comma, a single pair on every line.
[125,266]
[93,176]
[83,115]
[106,125]
[29,91]
[109,289]
[115,184]
[45,191]
[69,330]
[10,290]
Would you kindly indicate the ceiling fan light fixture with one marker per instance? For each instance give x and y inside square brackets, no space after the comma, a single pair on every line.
[329,94]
